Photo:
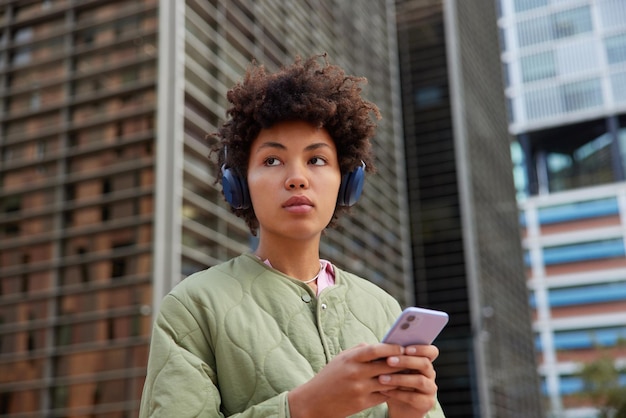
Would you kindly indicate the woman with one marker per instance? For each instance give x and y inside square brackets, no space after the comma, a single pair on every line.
[280,332]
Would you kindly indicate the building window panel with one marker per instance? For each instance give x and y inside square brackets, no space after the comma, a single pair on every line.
[612,13]
[538,66]
[578,210]
[597,250]
[570,385]
[582,295]
[572,22]
[584,160]
[556,26]
[22,56]
[533,31]
[616,48]
[523,5]
[24,34]
[582,95]
[543,103]
[588,338]
[577,57]
[519,174]
[430,96]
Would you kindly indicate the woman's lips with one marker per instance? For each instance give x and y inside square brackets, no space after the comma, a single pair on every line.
[298,204]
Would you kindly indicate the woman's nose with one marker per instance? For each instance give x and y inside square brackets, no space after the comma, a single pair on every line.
[296,180]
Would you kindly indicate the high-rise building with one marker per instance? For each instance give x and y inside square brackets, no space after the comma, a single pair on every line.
[466,248]
[565,63]
[107,197]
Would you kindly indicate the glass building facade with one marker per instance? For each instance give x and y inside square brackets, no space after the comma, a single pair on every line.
[565,64]
[466,249]
[107,197]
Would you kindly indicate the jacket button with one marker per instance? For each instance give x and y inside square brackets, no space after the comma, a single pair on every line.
[306,298]
[324,306]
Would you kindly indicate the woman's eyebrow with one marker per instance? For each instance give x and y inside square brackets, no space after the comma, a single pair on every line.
[271,144]
[316,145]
[278,145]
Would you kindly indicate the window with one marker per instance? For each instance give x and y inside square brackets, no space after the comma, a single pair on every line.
[106,186]
[571,22]
[582,95]
[22,56]
[578,56]
[83,267]
[429,96]
[35,100]
[5,400]
[618,87]
[23,35]
[118,267]
[569,385]
[538,66]
[597,250]
[12,204]
[589,163]
[121,265]
[522,5]
[612,13]
[556,26]
[543,103]
[616,48]
[506,76]
[588,338]
[579,210]
[582,295]
[105,213]
[11,229]
[59,396]
[571,157]
[606,292]
[533,31]
[519,170]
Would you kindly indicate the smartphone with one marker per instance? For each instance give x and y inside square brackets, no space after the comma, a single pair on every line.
[416,326]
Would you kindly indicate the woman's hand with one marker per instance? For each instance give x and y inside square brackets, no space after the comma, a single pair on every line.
[412,393]
[355,380]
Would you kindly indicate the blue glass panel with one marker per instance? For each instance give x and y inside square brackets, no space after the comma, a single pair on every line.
[606,292]
[521,5]
[583,252]
[571,22]
[616,48]
[580,210]
[606,337]
[538,345]
[570,385]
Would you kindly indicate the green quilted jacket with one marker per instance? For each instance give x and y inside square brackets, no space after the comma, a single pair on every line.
[234,339]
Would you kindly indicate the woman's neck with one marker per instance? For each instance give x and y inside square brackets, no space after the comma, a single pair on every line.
[297,259]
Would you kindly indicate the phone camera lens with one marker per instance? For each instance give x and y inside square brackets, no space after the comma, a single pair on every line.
[405,325]
[410,318]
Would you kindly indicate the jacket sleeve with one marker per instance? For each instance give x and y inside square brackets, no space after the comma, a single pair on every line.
[180,382]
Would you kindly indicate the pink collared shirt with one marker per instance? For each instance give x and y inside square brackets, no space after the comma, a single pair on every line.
[326,277]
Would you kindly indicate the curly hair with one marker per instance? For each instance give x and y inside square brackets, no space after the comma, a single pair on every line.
[308,91]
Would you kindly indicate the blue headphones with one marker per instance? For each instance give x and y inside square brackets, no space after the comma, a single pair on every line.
[237,194]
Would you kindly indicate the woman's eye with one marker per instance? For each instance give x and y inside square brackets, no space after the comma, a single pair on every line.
[317,161]
[271,161]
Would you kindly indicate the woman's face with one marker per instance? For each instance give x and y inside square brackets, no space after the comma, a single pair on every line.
[293,178]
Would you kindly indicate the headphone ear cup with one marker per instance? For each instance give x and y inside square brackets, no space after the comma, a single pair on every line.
[351,186]
[235,189]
